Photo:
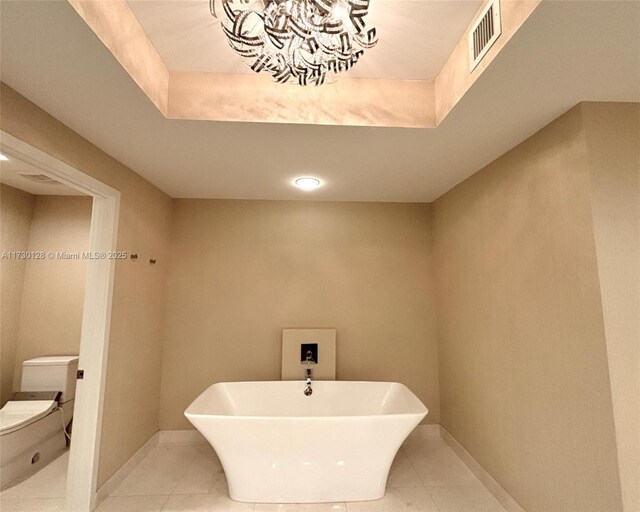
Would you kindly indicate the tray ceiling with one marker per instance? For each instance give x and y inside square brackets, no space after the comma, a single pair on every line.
[416,37]
[549,65]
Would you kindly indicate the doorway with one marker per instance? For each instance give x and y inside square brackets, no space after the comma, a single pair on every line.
[96,318]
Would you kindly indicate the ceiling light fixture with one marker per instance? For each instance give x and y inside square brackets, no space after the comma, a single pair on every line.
[307,41]
[3,158]
[307,184]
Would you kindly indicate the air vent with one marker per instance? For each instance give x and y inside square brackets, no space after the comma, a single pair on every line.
[41,178]
[484,33]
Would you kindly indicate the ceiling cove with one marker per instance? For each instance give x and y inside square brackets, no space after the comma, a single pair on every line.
[177,54]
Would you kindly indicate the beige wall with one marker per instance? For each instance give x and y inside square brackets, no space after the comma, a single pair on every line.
[530,259]
[53,290]
[613,143]
[16,209]
[524,375]
[134,360]
[243,270]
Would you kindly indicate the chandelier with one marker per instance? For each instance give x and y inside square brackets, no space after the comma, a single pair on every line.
[303,41]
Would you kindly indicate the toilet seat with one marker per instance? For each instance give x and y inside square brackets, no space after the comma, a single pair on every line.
[16,415]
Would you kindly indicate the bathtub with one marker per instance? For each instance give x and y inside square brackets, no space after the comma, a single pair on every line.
[279,446]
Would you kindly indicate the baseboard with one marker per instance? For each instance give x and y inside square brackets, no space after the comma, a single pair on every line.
[494,487]
[110,485]
[181,437]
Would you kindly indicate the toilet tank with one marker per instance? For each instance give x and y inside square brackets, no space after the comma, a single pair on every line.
[51,373]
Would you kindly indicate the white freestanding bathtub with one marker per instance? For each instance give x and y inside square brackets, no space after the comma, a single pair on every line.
[279,446]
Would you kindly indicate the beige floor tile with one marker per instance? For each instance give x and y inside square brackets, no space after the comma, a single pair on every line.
[475,498]
[132,504]
[398,499]
[204,503]
[207,451]
[192,475]
[402,472]
[159,472]
[33,505]
[49,482]
[304,507]
[204,475]
[421,435]
[413,443]
[437,464]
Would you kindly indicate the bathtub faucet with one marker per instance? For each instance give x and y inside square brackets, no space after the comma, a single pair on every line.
[308,373]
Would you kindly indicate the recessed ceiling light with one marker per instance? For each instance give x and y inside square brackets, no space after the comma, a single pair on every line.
[307,183]
[3,158]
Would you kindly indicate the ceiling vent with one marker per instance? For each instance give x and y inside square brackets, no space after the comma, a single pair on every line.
[40,178]
[484,32]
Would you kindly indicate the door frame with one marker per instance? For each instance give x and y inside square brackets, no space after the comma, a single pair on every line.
[82,479]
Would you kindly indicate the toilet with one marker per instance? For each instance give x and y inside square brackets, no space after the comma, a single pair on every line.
[31,423]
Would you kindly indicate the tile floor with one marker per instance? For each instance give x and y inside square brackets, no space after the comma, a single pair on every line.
[426,476]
